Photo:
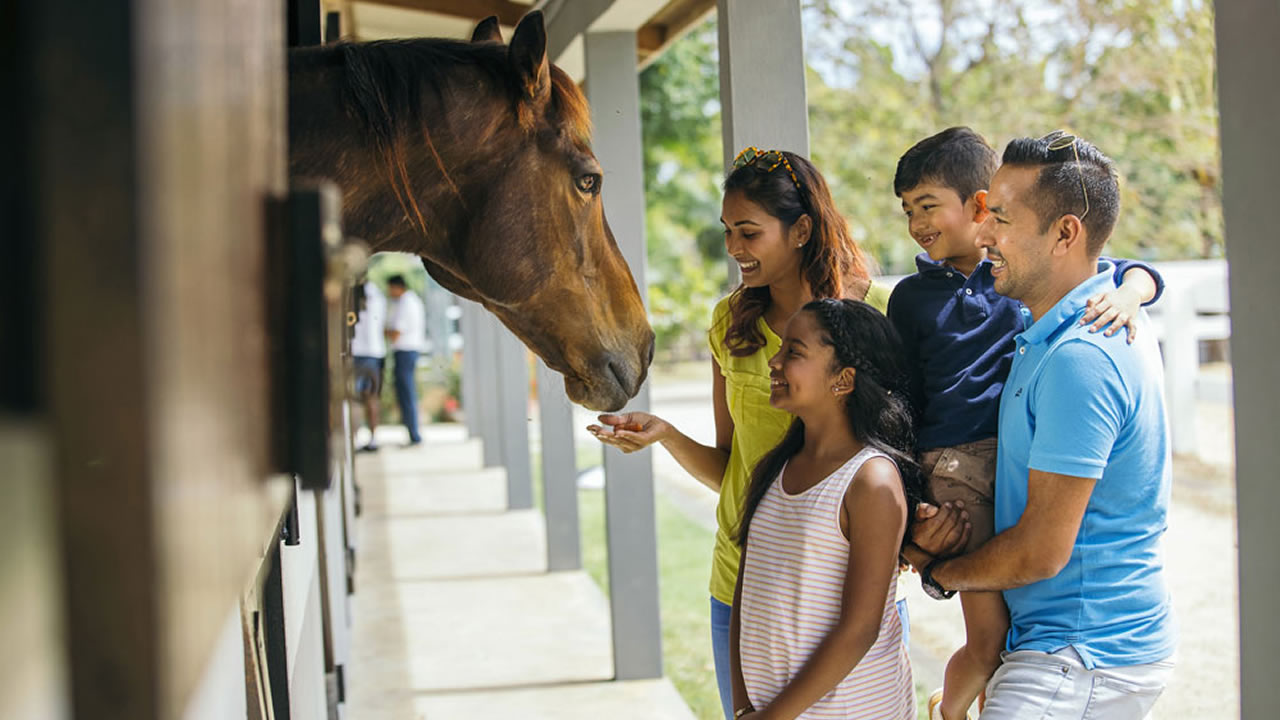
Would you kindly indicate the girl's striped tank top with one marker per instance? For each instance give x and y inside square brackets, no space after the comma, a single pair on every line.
[793,579]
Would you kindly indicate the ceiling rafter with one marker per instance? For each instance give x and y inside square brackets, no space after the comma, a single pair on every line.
[668,25]
[508,12]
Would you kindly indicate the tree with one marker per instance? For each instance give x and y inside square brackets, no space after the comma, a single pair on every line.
[1135,78]
[680,117]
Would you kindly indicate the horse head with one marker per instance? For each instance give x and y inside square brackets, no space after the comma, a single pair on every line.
[539,253]
[477,157]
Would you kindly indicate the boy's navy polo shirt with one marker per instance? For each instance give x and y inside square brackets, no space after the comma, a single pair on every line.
[958,335]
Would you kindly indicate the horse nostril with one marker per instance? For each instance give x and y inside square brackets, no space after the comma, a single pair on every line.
[653,344]
[624,378]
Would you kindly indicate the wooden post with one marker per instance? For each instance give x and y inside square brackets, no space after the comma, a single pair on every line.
[513,404]
[559,472]
[763,101]
[487,369]
[1248,105]
[470,330]
[613,90]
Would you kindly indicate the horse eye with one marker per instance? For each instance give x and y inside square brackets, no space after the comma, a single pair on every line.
[589,183]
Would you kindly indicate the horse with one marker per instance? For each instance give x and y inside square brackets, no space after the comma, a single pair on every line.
[476,156]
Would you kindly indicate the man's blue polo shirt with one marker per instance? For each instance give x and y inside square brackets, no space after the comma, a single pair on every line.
[958,333]
[1086,405]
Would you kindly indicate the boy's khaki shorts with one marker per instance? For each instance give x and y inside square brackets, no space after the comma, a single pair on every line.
[965,472]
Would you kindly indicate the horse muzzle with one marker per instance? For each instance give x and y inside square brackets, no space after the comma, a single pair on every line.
[612,380]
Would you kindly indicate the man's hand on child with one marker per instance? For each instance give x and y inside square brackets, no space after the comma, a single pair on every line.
[1116,309]
[941,531]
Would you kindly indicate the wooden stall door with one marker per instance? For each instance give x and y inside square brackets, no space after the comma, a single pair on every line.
[156,140]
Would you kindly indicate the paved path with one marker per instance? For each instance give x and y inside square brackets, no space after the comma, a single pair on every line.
[455,615]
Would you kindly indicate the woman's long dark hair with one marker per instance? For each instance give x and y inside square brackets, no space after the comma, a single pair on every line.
[832,262]
[878,411]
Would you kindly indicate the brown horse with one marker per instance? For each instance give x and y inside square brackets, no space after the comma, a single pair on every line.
[476,157]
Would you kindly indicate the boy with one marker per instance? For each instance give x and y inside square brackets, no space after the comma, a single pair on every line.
[959,337]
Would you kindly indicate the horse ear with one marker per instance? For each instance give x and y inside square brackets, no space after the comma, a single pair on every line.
[487,31]
[528,56]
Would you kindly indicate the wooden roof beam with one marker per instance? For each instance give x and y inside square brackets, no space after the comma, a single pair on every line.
[508,12]
[671,23]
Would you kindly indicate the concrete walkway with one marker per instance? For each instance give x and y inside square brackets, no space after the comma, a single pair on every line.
[454,613]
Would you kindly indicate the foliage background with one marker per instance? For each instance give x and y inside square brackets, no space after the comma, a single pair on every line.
[1135,77]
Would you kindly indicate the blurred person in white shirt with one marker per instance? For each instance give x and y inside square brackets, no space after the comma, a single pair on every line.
[407,333]
[369,352]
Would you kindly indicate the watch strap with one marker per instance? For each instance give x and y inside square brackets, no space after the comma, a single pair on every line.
[931,586]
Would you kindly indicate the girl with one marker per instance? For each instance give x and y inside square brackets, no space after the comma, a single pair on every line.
[815,632]
[782,228]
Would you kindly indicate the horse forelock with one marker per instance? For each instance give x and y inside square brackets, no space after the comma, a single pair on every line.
[571,107]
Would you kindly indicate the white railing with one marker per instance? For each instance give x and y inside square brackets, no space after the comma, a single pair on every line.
[1194,308]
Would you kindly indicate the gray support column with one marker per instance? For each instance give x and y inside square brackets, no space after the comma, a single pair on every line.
[438,301]
[613,90]
[1247,51]
[470,331]
[762,92]
[567,20]
[513,409]
[488,387]
[513,418]
[762,87]
[559,472]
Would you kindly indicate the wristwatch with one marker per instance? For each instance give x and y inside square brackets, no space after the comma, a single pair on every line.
[742,711]
[932,587]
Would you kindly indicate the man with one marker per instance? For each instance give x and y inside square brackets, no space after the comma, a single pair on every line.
[369,351]
[406,331]
[1083,466]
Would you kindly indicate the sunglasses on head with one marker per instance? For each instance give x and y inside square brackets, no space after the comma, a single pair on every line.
[1059,140]
[768,159]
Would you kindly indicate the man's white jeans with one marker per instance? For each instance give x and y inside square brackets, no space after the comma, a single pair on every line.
[1030,685]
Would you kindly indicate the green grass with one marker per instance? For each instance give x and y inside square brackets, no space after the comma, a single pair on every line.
[684,557]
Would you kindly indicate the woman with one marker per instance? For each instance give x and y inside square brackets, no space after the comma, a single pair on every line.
[782,228]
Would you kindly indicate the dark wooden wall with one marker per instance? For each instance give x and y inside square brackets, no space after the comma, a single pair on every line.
[154,138]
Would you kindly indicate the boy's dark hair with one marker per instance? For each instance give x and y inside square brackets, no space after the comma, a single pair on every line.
[1058,190]
[397,280]
[957,158]
[878,410]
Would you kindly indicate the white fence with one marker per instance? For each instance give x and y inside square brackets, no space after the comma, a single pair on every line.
[1193,309]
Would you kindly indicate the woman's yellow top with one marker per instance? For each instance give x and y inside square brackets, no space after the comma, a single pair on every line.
[757,428]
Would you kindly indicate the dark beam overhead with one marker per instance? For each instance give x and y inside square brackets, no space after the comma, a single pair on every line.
[509,13]
[668,25]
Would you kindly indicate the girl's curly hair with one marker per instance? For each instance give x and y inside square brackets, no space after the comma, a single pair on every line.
[878,409]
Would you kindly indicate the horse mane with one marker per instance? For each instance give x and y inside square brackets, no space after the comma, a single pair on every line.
[385,83]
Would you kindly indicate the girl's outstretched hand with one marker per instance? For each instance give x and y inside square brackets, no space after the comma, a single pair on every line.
[631,431]
[1117,309]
